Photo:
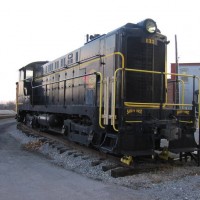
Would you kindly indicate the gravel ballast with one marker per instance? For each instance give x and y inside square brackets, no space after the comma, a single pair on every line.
[172,182]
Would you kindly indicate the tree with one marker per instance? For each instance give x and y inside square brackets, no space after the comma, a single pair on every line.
[10,105]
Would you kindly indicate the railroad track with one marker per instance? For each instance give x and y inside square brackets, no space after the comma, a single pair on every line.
[107,162]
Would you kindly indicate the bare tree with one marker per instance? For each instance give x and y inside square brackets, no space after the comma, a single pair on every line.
[10,105]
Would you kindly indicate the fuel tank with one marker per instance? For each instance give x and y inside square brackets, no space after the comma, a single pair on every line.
[50,120]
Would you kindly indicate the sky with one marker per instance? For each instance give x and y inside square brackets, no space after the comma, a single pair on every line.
[40,30]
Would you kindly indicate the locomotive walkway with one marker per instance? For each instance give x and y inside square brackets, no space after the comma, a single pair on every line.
[25,175]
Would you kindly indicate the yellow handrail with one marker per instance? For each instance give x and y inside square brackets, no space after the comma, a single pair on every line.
[114,99]
[128,104]
[114,90]
[189,122]
[151,105]
[101,77]
[86,63]
[139,103]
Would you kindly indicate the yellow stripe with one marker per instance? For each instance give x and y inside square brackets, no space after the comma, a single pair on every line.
[190,122]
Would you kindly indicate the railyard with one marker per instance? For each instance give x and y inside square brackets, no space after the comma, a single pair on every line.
[43,172]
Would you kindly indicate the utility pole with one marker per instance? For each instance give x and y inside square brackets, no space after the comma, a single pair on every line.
[176,56]
[176,53]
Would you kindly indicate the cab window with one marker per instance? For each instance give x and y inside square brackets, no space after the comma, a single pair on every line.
[29,74]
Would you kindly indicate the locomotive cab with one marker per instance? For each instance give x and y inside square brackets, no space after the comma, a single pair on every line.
[24,86]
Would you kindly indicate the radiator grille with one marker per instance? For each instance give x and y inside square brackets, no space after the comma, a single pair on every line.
[144,87]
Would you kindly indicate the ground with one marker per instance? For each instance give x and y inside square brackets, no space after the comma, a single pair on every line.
[32,175]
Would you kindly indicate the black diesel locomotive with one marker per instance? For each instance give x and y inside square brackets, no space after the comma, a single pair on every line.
[112,93]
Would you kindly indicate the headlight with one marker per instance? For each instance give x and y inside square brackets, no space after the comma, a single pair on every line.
[149,25]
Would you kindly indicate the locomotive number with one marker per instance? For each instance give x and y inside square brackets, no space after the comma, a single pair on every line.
[149,41]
